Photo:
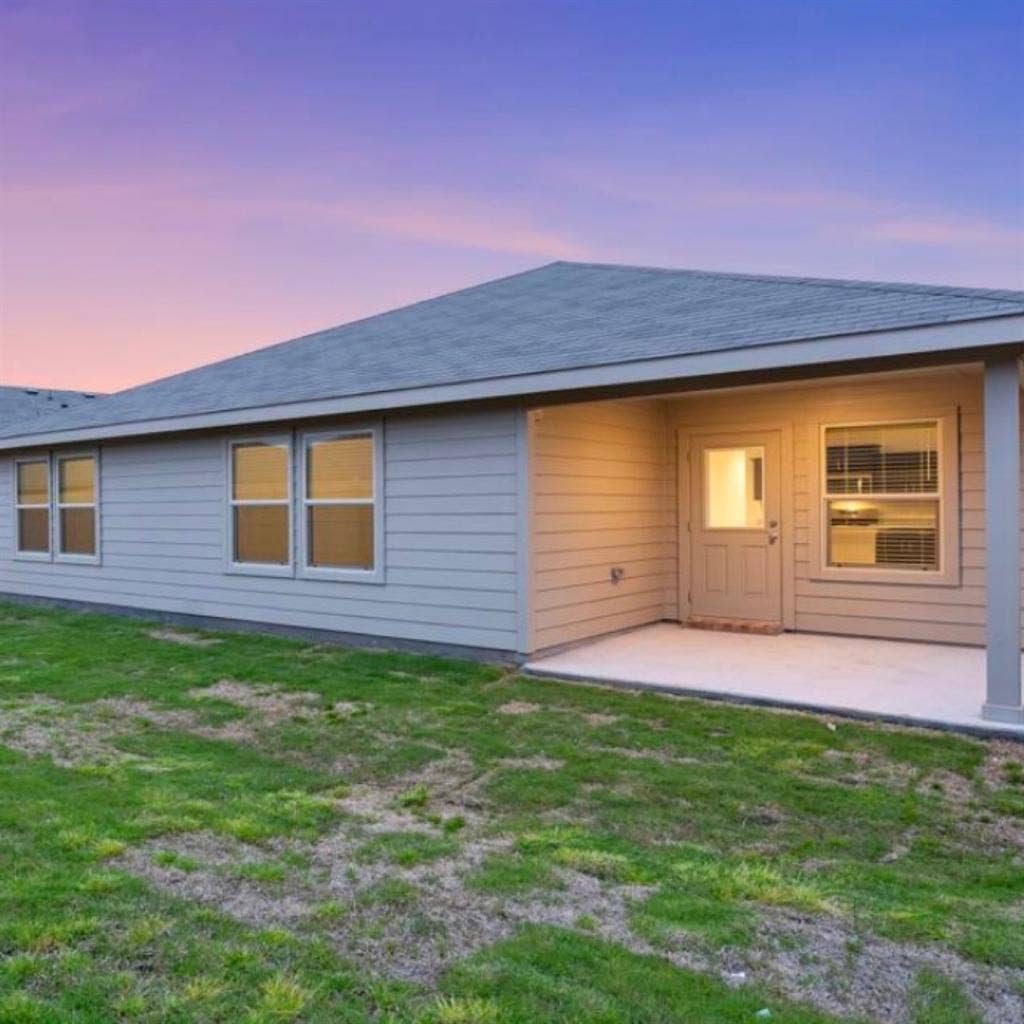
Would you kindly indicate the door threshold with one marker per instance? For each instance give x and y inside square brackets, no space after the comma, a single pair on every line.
[724,625]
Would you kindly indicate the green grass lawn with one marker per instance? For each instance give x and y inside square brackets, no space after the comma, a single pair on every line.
[230,828]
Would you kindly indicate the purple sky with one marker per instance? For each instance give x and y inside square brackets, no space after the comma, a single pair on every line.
[183,180]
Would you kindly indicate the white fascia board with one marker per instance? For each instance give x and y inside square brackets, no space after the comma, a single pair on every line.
[776,356]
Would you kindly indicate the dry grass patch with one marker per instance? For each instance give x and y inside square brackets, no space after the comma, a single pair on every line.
[176,636]
[518,707]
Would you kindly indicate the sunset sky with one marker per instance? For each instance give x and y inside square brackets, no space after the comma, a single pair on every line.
[189,179]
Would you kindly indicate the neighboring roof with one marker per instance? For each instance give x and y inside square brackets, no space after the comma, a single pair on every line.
[564,316]
[21,405]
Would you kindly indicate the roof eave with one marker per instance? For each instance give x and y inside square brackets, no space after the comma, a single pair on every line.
[938,338]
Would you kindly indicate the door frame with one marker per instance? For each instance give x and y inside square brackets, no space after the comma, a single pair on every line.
[685,437]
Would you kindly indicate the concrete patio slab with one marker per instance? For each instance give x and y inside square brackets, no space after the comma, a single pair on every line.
[933,685]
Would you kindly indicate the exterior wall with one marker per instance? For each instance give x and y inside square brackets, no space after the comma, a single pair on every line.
[450,538]
[954,613]
[602,494]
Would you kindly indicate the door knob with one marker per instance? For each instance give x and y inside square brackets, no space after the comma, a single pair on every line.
[772,538]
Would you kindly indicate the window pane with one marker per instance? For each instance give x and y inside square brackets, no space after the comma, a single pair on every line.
[260,472]
[261,534]
[886,534]
[897,458]
[33,529]
[342,468]
[341,536]
[76,481]
[734,488]
[78,531]
[33,483]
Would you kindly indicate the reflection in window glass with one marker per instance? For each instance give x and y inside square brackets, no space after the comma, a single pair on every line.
[32,506]
[340,468]
[341,535]
[882,496]
[76,505]
[78,531]
[893,534]
[76,481]
[734,488]
[34,483]
[893,458]
[261,534]
[34,530]
[260,472]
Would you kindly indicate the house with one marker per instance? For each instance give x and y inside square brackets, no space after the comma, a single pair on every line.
[556,456]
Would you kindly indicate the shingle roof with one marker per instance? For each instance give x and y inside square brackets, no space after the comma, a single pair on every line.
[556,317]
[21,405]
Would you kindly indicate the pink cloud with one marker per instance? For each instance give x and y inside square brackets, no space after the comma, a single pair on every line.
[459,223]
[939,232]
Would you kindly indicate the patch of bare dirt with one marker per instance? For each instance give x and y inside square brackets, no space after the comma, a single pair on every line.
[518,707]
[69,734]
[271,703]
[953,788]
[413,933]
[79,734]
[412,923]
[646,754]
[448,786]
[538,762]
[596,718]
[966,799]
[864,768]
[1000,757]
[213,883]
[823,960]
[435,920]
[140,710]
[268,706]
[176,636]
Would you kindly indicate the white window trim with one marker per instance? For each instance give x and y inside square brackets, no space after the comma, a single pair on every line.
[33,556]
[947,495]
[306,571]
[58,505]
[258,568]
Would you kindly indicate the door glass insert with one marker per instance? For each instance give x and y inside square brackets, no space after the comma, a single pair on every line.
[734,488]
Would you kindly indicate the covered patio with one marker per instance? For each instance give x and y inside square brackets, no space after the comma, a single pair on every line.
[928,684]
[856,538]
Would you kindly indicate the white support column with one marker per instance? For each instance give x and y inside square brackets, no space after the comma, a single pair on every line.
[1002,539]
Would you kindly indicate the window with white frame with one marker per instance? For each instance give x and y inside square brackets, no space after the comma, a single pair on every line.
[77,506]
[260,499]
[32,506]
[883,496]
[339,502]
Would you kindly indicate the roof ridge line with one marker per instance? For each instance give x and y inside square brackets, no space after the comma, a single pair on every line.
[962,291]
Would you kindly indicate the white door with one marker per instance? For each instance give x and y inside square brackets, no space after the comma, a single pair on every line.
[735,552]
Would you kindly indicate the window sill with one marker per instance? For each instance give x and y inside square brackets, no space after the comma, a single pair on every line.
[77,559]
[341,575]
[32,556]
[905,577]
[257,569]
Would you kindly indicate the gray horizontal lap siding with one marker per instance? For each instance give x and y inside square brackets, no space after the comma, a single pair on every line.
[450,539]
